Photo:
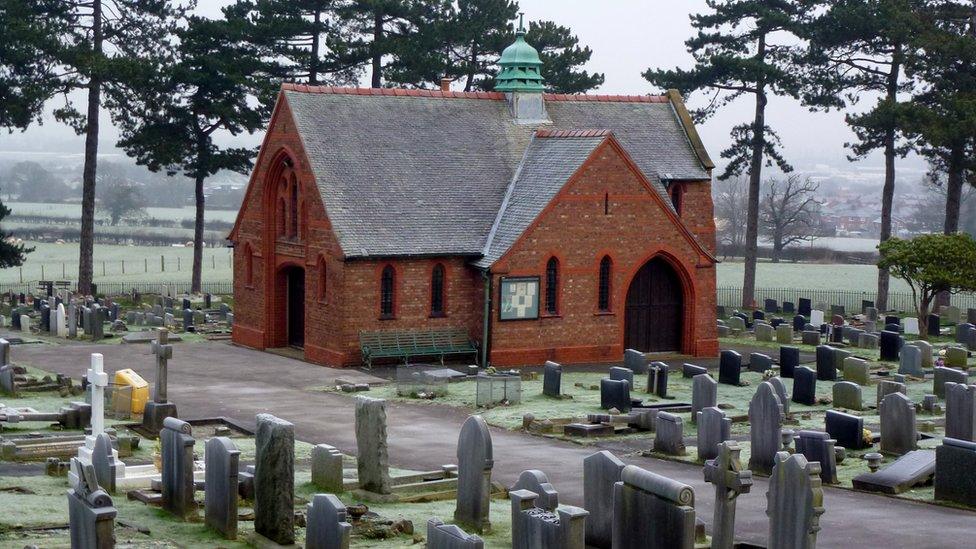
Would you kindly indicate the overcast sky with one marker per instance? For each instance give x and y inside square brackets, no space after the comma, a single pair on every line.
[627,37]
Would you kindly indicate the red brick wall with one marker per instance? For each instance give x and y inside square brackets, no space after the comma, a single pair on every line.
[575,229]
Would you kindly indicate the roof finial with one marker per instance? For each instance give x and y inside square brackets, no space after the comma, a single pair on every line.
[521,29]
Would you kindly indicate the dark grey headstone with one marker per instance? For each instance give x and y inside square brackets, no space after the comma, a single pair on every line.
[533,526]
[955,461]
[552,376]
[327,527]
[274,479]
[635,361]
[657,379]
[449,536]
[912,469]
[846,429]
[327,468]
[819,447]
[669,434]
[730,368]
[220,471]
[8,383]
[765,426]
[644,501]
[177,472]
[536,481]
[899,434]
[935,325]
[104,462]
[713,429]
[910,361]
[475,461]
[689,371]
[615,394]
[600,472]
[947,375]
[704,393]
[890,345]
[780,389]
[759,362]
[804,306]
[617,373]
[804,386]
[826,366]
[886,387]
[91,515]
[789,359]
[848,395]
[960,410]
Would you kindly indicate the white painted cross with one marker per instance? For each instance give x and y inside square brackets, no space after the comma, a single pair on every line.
[99,381]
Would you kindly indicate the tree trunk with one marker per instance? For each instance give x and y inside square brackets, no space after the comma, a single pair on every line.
[87,237]
[377,49]
[953,205]
[313,62]
[196,282]
[888,193]
[755,179]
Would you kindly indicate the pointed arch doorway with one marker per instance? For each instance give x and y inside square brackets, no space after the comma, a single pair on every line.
[295,306]
[655,309]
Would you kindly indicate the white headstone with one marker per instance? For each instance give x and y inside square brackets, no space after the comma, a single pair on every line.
[816,317]
[61,319]
[911,325]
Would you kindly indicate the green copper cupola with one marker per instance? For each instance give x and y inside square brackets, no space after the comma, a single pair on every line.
[521,67]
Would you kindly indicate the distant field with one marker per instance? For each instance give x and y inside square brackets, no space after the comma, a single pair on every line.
[810,276]
[74,210]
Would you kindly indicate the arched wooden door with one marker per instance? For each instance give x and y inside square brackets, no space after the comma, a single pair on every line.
[655,309]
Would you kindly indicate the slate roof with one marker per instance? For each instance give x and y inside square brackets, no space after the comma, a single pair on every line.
[422,173]
[550,160]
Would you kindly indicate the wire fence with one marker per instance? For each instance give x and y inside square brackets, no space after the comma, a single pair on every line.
[149,269]
[850,299]
[175,287]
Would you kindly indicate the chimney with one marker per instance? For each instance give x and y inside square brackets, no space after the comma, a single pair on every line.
[446,84]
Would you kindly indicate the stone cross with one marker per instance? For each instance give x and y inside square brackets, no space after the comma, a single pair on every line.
[794,503]
[98,380]
[730,480]
[163,351]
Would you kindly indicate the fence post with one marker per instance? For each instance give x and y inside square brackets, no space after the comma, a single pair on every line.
[123,266]
[42,271]
[103,268]
[162,263]
[213,262]
[63,271]
[21,274]
[145,264]
[179,263]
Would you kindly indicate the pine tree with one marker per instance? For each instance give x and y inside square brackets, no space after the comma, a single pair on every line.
[858,46]
[738,53]
[213,84]
[12,254]
[562,58]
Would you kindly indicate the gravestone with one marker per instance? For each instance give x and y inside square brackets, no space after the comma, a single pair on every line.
[764,332]
[737,324]
[848,395]
[552,375]
[534,527]
[713,429]
[799,321]
[274,478]
[886,387]
[789,359]
[856,370]
[97,327]
[704,394]
[160,408]
[826,368]
[870,326]
[730,368]
[657,379]
[846,429]
[327,468]
[912,469]
[971,316]
[819,447]
[784,334]
[105,462]
[61,321]
[890,345]
[789,307]
[960,411]
[839,356]
[177,471]
[617,373]
[955,461]
[4,352]
[327,526]
[449,536]
[759,362]
[926,351]
[935,325]
[794,503]
[899,434]
[615,394]
[689,371]
[951,313]
[373,460]
[871,313]
[72,320]
[475,461]
[635,361]
[910,363]
[601,471]
[956,357]
[804,306]
[910,325]
[222,461]
[8,383]
[962,333]
[838,310]
[867,341]
[730,480]
[758,315]
[804,386]
[770,306]
[784,397]
[947,375]
[810,337]
[651,511]
[765,425]
[669,434]
[187,320]
[536,481]
[91,515]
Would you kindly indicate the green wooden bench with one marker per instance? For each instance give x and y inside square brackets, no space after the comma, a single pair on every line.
[416,343]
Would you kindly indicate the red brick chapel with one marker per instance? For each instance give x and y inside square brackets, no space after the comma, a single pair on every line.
[548,226]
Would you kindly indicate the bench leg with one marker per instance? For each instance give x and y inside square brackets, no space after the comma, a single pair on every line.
[442,359]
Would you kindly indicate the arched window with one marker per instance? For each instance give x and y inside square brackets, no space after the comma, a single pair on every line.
[281,222]
[293,208]
[387,287]
[248,265]
[606,266]
[322,288]
[301,220]
[437,291]
[552,286]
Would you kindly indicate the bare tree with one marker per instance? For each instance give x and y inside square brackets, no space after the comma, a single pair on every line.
[731,206]
[790,212]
